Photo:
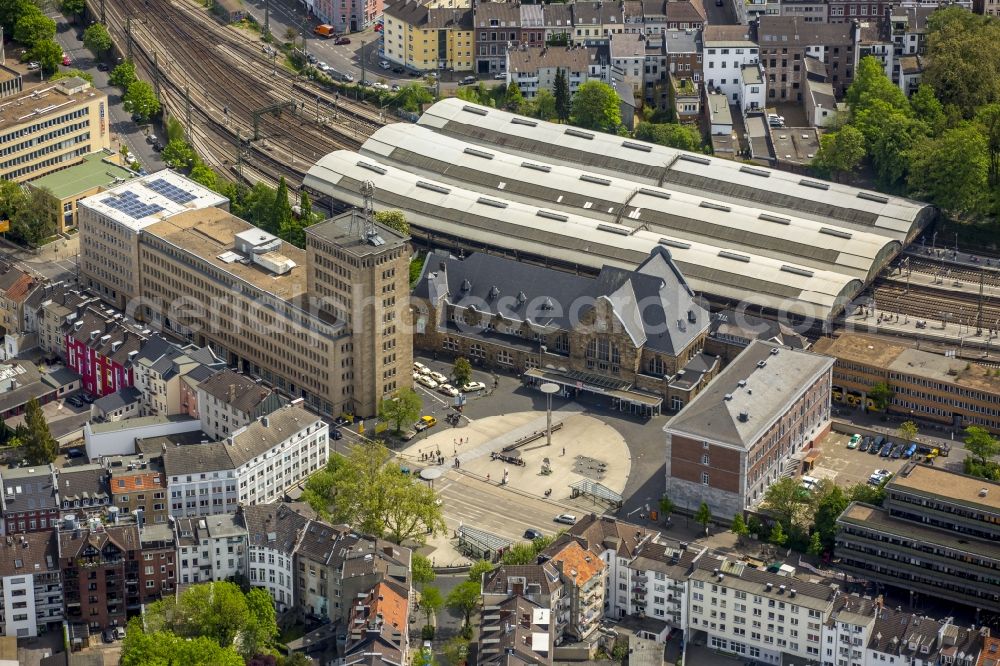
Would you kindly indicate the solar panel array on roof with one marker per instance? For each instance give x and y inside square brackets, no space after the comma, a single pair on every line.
[130,204]
[170,191]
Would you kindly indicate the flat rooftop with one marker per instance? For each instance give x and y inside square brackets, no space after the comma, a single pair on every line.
[94,171]
[150,199]
[345,231]
[872,351]
[43,102]
[210,233]
[795,144]
[940,483]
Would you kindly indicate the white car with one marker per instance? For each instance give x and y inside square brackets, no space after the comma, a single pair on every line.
[384,64]
[378,85]
[323,67]
[416,376]
[427,381]
[421,368]
[448,389]
[33,65]
[565,519]
[438,377]
[472,387]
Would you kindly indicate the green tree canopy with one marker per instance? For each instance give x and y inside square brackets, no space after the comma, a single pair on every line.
[394,219]
[871,85]
[123,75]
[400,409]
[778,536]
[34,221]
[739,527]
[204,175]
[462,371]
[881,394]
[179,155]
[162,648]
[478,568]
[989,118]
[815,545]
[140,99]
[431,601]
[464,599]
[413,97]
[421,570]
[952,169]
[981,444]
[281,211]
[542,106]
[561,96]
[70,73]
[595,106]
[927,108]
[513,100]
[682,137]
[703,516]
[784,500]
[48,54]
[33,27]
[829,505]
[962,63]
[908,430]
[840,152]
[666,506]
[69,7]
[40,448]
[97,38]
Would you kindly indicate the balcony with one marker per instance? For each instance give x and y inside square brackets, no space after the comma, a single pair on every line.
[641,578]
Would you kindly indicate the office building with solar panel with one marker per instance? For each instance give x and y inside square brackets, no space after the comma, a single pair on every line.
[110,224]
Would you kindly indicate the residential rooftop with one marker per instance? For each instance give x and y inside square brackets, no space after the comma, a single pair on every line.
[95,171]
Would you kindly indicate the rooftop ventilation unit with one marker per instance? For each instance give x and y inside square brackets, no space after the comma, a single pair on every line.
[675,243]
[373,167]
[654,193]
[714,206]
[774,218]
[433,187]
[878,198]
[815,184]
[486,201]
[594,179]
[726,254]
[621,231]
[478,153]
[637,146]
[559,217]
[474,109]
[756,172]
[839,233]
[578,134]
[796,270]
[744,417]
[537,167]
[522,121]
[696,159]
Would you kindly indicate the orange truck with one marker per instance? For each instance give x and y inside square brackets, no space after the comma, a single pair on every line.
[325,30]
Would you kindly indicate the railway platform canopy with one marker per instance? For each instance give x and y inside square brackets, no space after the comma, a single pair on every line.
[446,214]
[755,230]
[726,181]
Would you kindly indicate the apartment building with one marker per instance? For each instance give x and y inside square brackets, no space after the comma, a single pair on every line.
[532,23]
[51,127]
[273,535]
[50,312]
[516,630]
[327,325]
[764,616]
[30,585]
[30,500]
[786,41]
[935,536]
[583,589]
[732,64]
[229,400]
[540,584]
[158,570]
[430,35]
[16,287]
[210,548]
[925,385]
[110,224]
[254,465]
[655,585]
[100,573]
[498,28]
[101,348]
[344,16]
[158,371]
[138,487]
[379,626]
[83,490]
[534,68]
[745,430]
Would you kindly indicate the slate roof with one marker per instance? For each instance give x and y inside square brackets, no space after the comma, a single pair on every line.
[545,576]
[15,284]
[665,559]
[558,15]
[93,321]
[739,576]
[751,327]
[785,31]
[83,482]
[33,489]
[508,14]
[716,412]
[600,533]
[197,458]
[72,542]
[273,526]
[112,401]
[683,12]
[31,553]
[238,391]
[267,432]
[546,297]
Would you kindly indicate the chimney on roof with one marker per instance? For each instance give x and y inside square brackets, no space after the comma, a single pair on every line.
[232,393]
[744,416]
[264,421]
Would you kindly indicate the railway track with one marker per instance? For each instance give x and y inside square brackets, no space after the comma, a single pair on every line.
[968,274]
[925,302]
[224,80]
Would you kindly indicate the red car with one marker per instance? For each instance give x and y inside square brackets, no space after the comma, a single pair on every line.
[66,61]
[342,40]
[378,27]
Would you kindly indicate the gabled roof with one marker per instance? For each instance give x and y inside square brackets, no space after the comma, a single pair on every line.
[268,431]
[123,398]
[238,391]
[123,538]
[31,553]
[83,482]
[273,526]
[196,458]
[600,533]
[29,489]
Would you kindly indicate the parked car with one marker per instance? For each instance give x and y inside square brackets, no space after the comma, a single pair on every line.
[565,519]
[427,381]
[909,451]
[119,633]
[384,64]
[531,534]
[395,87]
[87,398]
[500,76]
[472,387]
[421,368]
[855,441]
[102,67]
[66,61]
[438,377]
[398,70]
[378,85]
[877,445]
[886,450]
[774,120]
[897,451]
[469,80]
[336,434]
[878,476]
[74,453]
[108,635]
[340,41]
[424,423]
[409,434]
[866,444]
[32,66]
[448,390]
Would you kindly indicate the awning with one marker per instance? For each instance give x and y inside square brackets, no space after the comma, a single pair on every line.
[596,384]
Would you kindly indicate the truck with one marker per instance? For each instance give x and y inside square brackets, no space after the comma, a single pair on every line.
[325,30]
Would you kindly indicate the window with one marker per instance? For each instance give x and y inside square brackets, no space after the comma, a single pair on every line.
[704,478]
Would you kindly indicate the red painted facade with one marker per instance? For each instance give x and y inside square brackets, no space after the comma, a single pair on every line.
[99,374]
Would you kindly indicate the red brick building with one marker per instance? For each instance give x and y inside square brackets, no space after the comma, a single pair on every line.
[100,572]
[158,568]
[748,428]
[30,499]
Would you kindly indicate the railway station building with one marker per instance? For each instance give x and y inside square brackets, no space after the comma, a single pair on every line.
[950,391]
[634,338]
[936,536]
[50,127]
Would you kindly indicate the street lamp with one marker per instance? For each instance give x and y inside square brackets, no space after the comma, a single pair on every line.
[548,388]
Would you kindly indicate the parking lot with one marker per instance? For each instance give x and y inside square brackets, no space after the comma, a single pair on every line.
[846,467]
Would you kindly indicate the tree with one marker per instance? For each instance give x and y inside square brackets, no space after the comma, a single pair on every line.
[666,506]
[478,569]
[989,118]
[123,75]
[162,648]
[514,100]
[464,599]
[179,155]
[262,627]
[561,94]
[413,97]
[34,27]
[401,409]
[981,444]
[456,651]
[739,527]
[421,570]
[703,516]
[908,430]
[69,7]
[97,38]
[462,371]
[40,448]
[394,219]
[927,108]
[889,134]
[778,536]
[815,545]
[952,169]
[520,553]
[34,221]
[962,63]
[595,106]
[829,505]
[306,209]
[784,500]
[281,211]
[840,152]
[71,73]
[48,54]
[431,601]
[140,100]
[867,494]
[682,137]
[544,105]
[204,175]
[297,659]
[881,395]
[871,85]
